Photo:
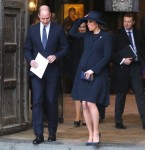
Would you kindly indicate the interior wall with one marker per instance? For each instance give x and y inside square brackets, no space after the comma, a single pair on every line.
[113,19]
[141,16]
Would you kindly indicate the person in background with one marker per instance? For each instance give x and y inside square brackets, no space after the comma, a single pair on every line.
[54,18]
[67,23]
[91,84]
[72,16]
[126,69]
[48,39]
[101,110]
[75,56]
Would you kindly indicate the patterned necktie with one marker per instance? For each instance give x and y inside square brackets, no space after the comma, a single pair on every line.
[130,39]
[44,37]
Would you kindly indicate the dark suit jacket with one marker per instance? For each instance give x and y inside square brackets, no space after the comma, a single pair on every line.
[120,73]
[56,45]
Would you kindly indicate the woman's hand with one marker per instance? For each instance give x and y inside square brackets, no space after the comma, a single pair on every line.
[88,73]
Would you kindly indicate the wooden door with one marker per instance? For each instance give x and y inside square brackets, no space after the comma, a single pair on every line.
[13,71]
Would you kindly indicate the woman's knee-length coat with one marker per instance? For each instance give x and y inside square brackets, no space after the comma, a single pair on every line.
[96,56]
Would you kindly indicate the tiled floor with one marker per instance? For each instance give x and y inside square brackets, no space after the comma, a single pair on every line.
[134,134]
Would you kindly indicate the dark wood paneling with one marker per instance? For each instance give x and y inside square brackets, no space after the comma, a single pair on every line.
[13,83]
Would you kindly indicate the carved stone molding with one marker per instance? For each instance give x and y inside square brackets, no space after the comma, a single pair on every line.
[122,5]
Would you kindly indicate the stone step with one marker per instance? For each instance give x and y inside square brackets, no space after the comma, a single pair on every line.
[63,145]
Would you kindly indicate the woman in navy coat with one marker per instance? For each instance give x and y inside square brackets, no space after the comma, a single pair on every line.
[94,62]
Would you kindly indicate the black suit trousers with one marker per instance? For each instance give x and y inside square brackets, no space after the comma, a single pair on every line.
[49,87]
[136,80]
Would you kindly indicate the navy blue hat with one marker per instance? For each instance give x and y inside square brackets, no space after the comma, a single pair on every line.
[96,16]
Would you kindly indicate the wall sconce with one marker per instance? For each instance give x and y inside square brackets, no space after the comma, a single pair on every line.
[33,5]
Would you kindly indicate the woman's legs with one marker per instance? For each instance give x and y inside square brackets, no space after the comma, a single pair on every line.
[78,113]
[78,110]
[91,116]
[95,121]
[88,120]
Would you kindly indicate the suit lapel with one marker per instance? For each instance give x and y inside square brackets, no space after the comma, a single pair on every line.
[50,35]
[38,36]
[125,35]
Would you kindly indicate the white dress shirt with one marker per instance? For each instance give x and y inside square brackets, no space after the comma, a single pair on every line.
[47,30]
[133,42]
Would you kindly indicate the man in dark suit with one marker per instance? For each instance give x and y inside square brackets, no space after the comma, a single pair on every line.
[127,68]
[48,39]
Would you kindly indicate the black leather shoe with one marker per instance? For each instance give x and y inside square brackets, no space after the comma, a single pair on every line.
[120,126]
[38,140]
[52,138]
[143,126]
[77,123]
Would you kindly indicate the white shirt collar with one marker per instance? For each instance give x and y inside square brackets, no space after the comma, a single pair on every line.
[47,29]
[42,25]
[129,30]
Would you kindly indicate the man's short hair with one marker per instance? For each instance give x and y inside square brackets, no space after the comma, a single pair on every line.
[130,15]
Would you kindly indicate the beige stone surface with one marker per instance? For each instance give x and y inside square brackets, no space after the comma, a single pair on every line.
[134,134]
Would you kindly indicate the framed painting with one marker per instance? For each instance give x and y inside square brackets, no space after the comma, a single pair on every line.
[77,9]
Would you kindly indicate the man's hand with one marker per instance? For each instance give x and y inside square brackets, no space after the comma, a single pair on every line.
[51,58]
[127,61]
[33,64]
